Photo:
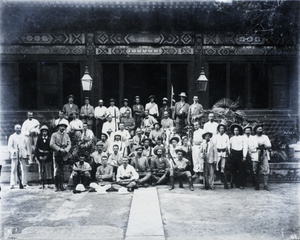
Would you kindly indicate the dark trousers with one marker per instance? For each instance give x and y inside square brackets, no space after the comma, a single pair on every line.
[99,125]
[83,177]
[209,174]
[238,168]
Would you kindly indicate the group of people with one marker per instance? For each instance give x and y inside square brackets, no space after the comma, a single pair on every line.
[133,147]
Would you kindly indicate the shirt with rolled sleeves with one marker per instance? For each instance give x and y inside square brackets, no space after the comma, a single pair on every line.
[128,172]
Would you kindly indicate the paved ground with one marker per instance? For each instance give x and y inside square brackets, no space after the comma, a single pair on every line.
[220,214]
[63,215]
[232,214]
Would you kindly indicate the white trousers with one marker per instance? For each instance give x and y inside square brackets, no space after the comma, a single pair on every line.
[197,160]
[14,172]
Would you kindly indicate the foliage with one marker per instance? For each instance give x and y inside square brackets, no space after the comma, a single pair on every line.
[280,142]
[229,111]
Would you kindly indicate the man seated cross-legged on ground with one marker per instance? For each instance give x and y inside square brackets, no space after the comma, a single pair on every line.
[141,165]
[160,166]
[126,176]
[104,174]
[81,172]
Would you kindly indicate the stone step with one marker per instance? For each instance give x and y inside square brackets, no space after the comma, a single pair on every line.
[32,173]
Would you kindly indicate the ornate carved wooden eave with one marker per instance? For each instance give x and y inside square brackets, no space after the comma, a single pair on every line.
[145,4]
[145,43]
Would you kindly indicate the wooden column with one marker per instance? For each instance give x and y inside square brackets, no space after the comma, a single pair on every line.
[121,83]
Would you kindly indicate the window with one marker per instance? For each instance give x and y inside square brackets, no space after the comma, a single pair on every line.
[28,85]
[50,84]
[280,86]
[258,85]
[9,87]
[71,81]
[217,82]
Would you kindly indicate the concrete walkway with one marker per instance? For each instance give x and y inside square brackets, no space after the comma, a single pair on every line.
[145,222]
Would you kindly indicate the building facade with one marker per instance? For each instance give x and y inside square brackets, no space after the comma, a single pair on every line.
[248,49]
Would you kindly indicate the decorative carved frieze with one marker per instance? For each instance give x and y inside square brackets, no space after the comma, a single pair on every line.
[143,50]
[60,50]
[248,50]
[246,39]
[103,38]
[52,38]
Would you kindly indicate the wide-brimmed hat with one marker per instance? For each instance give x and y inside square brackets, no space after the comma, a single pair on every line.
[157,123]
[44,127]
[151,96]
[180,149]
[87,98]
[184,137]
[257,126]
[62,124]
[80,187]
[206,133]
[145,139]
[105,134]
[165,99]
[100,143]
[94,185]
[74,112]
[246,127]
[159,148]
[222,123]
[174,138]
[112,100]
[233,126]
[138,147]
[125,100]
[70,96]
[182,94]
[138,130]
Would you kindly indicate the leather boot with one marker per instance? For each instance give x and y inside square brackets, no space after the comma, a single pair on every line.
[180,182]
[191,184]
[266,178]
[161,180]
[171,183]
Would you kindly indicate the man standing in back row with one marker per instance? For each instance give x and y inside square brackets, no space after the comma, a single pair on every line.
[87,113]
[152,107]
[181,113]
[195,111]
[30,129]
[69,108]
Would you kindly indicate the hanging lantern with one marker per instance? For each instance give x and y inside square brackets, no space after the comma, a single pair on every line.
[201,83]
[86,81]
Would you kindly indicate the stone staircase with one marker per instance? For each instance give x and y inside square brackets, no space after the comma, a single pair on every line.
[10,118]
[7,122]
[280,172]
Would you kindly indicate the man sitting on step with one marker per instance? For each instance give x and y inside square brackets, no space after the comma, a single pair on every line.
[160,166]
[141,165]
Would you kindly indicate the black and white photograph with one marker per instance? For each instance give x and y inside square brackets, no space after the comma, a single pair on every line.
[149,119]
